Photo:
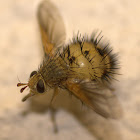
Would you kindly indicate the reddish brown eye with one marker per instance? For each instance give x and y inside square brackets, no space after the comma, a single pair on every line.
[33,73]
[40,86]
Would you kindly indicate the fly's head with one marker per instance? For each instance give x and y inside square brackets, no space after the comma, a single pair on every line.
[36,85]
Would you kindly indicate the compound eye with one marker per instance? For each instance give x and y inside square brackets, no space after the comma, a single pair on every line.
[40,86]
[33,73]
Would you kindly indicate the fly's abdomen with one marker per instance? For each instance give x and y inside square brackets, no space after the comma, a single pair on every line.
[90,60]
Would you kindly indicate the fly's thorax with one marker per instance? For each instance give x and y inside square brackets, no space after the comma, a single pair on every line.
[54,71]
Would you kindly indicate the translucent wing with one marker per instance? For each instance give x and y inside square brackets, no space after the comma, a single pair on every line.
[51,27]
[98,97]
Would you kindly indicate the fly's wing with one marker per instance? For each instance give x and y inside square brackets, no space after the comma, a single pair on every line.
[97,97]
[51,27]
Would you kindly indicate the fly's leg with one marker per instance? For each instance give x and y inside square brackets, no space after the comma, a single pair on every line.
[53,110]
[54,95]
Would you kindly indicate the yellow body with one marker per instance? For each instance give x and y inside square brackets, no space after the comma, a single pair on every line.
[85,67]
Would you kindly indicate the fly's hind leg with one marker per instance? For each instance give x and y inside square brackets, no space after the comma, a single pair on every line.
[54,94]
[53,111]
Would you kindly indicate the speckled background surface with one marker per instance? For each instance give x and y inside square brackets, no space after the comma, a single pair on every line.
[20,53]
